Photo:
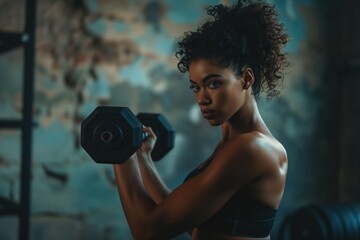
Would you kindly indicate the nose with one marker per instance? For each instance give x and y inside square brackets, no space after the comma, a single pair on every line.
[203,98]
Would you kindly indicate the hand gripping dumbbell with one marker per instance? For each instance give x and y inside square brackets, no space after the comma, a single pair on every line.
[113,134]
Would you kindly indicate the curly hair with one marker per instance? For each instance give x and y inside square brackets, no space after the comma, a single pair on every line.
[246,34]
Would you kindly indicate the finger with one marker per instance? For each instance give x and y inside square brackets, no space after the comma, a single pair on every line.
[149,131]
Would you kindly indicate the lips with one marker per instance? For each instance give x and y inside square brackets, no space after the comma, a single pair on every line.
[207,113]
[204,111]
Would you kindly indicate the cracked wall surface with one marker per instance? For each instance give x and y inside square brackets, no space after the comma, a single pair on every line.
[121,52]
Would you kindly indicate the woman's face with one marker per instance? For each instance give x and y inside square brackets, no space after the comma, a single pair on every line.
[218,91]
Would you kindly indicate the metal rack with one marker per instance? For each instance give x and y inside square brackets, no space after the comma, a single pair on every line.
[10,41]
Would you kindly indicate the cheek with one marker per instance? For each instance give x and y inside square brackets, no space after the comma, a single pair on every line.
[237,94]
[224,99]
[227,101]
[231,97]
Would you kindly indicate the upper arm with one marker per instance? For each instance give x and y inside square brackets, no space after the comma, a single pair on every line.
[202,196]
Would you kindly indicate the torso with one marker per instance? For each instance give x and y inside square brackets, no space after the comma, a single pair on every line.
[267,190]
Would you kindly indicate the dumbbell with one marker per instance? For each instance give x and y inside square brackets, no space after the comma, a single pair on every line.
[112,134]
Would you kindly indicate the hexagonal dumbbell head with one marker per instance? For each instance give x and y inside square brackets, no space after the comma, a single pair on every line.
[111,134]
[164,132]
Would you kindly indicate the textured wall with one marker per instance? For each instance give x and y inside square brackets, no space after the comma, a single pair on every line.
[344,72]
[121,52]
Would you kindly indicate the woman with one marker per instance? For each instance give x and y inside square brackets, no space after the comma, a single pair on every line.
[234,194]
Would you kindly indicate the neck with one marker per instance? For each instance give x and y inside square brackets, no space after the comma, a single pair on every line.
[246,119]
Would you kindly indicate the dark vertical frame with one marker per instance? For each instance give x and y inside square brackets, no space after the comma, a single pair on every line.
[28,98]
[10,41]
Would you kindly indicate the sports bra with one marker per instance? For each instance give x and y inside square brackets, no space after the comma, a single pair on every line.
[238,217]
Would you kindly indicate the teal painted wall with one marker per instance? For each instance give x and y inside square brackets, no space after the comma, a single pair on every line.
[95,52]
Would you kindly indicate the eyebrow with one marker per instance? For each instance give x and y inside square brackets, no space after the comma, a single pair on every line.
[207,78]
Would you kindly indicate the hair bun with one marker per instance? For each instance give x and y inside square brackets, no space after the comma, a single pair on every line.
[247,33]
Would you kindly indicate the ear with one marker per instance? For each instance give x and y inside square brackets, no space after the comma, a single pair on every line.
[248,78]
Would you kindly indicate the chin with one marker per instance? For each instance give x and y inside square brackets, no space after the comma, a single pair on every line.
[214,122]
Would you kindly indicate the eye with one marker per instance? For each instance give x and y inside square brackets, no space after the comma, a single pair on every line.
[214,84]
[194,88]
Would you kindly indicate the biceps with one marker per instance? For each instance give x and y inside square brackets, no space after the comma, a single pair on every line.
[190,205]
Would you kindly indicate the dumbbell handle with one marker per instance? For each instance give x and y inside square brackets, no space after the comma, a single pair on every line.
[144,136]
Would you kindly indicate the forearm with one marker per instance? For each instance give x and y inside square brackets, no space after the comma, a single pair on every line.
[153,183]
[136,203]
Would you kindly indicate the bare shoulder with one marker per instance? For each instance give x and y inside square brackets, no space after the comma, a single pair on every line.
[264,146]
[255,151]
[252,160]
